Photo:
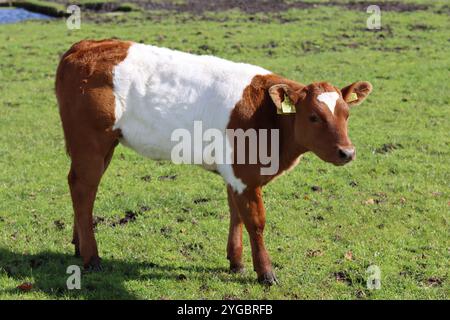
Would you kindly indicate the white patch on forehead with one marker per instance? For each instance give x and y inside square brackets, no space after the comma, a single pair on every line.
[329,98]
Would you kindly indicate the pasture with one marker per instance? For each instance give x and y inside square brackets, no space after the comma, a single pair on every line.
[162,228]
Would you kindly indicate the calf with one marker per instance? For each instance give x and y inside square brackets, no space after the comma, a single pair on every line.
[114,91]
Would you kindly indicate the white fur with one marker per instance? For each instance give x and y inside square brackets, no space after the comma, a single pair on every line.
[329,98]
[158,90]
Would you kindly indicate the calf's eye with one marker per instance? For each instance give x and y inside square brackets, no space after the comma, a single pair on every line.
[313,118]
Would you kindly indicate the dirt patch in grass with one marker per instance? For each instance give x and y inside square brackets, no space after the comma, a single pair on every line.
[342,276]
[247,6]
[388,147]
[98,220]
[254,6]
[59,224]
[395,6]
[420,27]
[130,216]
[434,281]
[201,200]
[167,177]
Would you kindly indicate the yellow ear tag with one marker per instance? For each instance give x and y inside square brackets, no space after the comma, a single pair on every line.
[286,106]
[353,97]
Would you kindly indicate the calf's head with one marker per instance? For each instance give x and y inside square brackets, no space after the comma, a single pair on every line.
[321,116]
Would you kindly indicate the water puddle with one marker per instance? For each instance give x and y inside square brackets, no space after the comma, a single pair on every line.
[18,14]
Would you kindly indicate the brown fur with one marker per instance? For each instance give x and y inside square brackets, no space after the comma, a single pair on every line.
[86,105]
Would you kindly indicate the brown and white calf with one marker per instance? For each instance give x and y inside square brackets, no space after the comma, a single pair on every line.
[114,91]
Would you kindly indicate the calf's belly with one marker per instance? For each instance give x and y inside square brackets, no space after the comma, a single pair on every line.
[153,134]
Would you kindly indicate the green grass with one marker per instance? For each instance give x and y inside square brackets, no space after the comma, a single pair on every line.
[405,231]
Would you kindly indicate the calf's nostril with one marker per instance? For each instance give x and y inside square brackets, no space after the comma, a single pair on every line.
[346,154]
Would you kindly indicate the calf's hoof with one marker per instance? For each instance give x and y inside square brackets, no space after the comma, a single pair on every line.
[268,279]
[76,245]
[94,265]
[237,268]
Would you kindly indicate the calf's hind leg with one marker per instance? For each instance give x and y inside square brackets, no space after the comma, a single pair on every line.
[234,247]
[89,162]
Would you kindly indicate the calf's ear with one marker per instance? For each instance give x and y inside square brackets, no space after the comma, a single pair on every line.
[284,98]
[356,93]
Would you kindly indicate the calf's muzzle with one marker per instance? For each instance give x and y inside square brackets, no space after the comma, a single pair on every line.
[346,154]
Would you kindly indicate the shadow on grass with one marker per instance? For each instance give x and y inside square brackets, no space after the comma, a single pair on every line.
[49,272]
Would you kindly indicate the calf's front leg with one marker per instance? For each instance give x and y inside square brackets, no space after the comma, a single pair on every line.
[251,209]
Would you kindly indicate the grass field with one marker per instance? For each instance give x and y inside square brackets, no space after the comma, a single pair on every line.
[389,208]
